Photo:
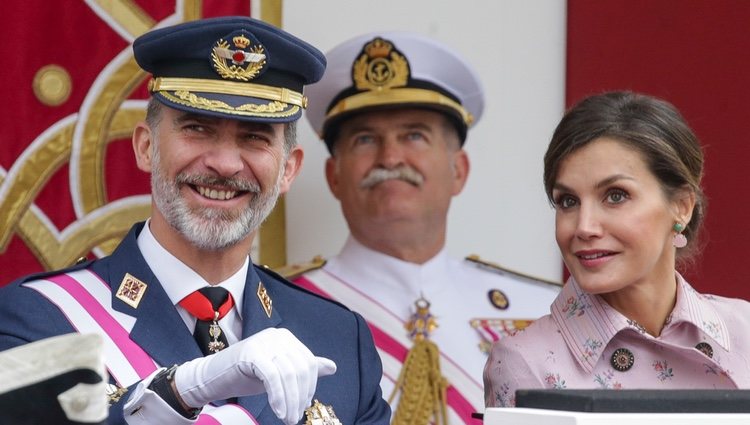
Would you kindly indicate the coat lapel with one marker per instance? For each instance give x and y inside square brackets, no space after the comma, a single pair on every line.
[158,329]
[254,320]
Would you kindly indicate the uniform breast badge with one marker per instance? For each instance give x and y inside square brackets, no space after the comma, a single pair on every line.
[420,382]
[320,414]
[491,330]
[131,290]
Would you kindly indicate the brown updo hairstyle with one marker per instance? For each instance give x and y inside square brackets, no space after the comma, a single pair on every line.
[653,127]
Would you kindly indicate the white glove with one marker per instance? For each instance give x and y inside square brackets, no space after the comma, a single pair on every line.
[272,361]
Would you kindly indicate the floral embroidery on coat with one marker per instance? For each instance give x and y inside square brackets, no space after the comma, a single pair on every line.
[714,370]
[504,396]
[605,380]
[576,306]
[637,326]
[664,372]
[554,381]
[591,348]
[712,328]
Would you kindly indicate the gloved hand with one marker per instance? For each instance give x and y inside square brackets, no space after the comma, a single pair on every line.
[272,361]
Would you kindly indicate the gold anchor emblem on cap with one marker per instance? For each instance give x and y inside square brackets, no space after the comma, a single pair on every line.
[320,414]
[380,67]
[131,290]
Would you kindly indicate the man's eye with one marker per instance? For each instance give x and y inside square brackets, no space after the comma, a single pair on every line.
[415,135]
[254,137]
[363,139]
[195,127]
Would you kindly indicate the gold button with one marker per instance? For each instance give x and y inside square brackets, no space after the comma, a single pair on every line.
[499,299]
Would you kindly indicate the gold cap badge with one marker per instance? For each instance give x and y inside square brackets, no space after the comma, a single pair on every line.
[131,290]
[380,66]
[382,76]
[239,60]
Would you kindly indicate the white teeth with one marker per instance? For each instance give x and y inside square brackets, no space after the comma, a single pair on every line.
[593,257]
[216,194]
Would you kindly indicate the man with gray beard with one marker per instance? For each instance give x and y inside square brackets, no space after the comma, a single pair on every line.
[394,110]
[193,331]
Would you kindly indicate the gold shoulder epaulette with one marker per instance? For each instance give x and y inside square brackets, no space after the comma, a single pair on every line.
[291,271]
[497,268]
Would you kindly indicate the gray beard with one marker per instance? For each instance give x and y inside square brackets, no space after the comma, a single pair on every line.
[210,229]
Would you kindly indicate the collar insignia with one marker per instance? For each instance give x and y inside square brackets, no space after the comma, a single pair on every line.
[131,290]
[239,60]
[265,300]
[320,414]
[380,66]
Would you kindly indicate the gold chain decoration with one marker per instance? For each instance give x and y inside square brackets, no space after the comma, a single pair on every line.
[422,385]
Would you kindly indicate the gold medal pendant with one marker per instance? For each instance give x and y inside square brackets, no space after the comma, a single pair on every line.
[214,331]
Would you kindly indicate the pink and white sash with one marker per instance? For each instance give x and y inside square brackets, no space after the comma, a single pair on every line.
[86,301]
[465,395]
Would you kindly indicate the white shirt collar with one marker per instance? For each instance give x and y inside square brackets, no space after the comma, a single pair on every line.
[179,280]
[394,281]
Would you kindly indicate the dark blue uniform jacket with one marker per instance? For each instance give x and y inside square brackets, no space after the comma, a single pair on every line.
[327,328]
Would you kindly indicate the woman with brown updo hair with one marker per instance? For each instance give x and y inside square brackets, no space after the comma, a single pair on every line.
[623,172]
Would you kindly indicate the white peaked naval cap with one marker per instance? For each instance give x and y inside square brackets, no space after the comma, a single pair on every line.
[390,70]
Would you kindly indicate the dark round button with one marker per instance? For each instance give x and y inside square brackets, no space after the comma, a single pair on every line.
[622,359]
[498,299]
[706,349]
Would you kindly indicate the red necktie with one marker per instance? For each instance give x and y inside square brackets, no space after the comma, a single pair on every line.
[209,305]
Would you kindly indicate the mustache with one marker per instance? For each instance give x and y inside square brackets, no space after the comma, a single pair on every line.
[240,185]
[402,172]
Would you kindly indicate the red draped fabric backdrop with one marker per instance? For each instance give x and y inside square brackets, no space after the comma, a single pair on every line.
[69,186]
[696,55]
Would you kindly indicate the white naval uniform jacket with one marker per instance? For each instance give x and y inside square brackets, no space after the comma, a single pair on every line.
[383,289]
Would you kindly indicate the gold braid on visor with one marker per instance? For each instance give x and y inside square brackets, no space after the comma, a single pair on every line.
[398,96]
[280,94]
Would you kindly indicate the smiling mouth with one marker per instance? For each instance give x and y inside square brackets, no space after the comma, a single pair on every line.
[214,194]
[594,256]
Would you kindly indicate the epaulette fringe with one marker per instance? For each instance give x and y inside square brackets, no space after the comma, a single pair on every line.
[292,271]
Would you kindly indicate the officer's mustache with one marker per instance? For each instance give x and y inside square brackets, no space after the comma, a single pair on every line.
[402,172]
